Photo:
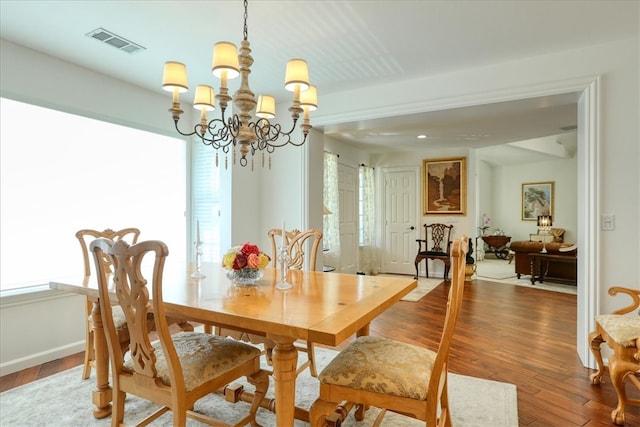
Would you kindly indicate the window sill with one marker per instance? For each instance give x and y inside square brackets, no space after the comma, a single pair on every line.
[29,294]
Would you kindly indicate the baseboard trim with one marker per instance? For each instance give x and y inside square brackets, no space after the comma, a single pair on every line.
[19,364]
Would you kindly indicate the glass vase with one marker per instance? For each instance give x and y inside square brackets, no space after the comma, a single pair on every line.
[245,276]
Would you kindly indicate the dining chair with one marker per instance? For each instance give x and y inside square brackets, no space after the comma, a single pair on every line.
[85,236]
[297,243]
[392,375]
[621,331]
[174,371]
[435,245]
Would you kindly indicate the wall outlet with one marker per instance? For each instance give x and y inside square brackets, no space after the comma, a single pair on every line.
[608,222]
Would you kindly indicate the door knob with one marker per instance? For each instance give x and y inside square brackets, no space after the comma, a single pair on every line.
[412,228]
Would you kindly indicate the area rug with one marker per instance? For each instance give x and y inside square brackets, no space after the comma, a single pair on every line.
[499,269]
[65,400]
[425,286]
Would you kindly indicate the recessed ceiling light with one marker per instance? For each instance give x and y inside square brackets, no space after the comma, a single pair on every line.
[422,136]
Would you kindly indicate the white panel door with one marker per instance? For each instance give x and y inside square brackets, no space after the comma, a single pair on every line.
[348,194]
[400,220]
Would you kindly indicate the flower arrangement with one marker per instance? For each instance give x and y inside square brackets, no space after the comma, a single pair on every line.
[486,224]
[245,256]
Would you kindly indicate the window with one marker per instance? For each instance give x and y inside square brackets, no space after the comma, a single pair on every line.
[206,200]
[71,172]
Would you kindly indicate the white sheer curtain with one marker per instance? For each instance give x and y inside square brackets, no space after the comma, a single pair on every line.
[331,223]
[368,263]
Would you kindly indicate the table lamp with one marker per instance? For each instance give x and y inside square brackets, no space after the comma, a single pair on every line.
[544,225]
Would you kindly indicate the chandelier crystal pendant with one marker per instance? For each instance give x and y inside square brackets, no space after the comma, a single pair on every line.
[242,130]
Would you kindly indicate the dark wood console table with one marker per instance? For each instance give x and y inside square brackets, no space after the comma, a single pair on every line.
[540,266]
[498,244]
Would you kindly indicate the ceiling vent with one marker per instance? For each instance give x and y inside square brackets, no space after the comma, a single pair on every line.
[114,40]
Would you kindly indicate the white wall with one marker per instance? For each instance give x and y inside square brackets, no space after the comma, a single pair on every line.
[507,202]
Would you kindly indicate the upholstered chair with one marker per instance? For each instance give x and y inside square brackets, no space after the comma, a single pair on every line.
[392,375]
[131,235]
[621,331]
[85,237]
[436,245]
[176,370]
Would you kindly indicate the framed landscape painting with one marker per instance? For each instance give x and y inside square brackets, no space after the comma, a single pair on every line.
[444,186]
[537,199]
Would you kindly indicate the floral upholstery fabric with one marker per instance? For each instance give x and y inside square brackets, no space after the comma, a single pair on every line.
[202,356]
[118,317]
[624,330]
[383,366]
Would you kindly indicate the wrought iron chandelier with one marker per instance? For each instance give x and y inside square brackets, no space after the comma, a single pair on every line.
[240,130]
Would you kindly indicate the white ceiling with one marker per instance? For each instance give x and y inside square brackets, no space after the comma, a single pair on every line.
[348,44]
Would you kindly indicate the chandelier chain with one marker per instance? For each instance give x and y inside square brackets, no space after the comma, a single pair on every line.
[245,32]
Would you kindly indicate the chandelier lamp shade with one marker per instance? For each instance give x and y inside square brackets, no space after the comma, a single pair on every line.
[251,128]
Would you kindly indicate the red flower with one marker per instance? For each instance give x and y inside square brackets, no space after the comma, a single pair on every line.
[249,249]
[240,261]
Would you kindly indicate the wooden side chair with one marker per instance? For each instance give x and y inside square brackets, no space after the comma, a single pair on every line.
[435,245]
[621,331]
[176,370]
[392,375]
[85,237]
[296,243]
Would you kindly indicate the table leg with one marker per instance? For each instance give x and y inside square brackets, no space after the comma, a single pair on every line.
[533,270]
[101,396]
[285,362]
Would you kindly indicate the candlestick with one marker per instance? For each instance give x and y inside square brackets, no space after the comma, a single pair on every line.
[284,236]
[197,274]
[283,257]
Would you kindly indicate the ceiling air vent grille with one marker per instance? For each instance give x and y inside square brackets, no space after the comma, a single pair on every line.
[120,43]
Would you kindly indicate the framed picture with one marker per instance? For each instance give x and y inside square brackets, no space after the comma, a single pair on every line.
[537,199]
[444,186]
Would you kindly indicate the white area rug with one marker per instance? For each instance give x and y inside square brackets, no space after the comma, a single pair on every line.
[495,269]
[500,271]
[424,287]
[65,400]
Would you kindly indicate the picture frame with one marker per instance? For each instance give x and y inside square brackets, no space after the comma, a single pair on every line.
[537,199]
[444,186]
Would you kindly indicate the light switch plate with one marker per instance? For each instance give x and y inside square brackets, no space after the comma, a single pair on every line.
[608,222]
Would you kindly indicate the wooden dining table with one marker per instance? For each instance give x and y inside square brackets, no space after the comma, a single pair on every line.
[324,308]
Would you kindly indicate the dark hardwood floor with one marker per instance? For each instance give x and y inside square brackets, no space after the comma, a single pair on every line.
[505,333]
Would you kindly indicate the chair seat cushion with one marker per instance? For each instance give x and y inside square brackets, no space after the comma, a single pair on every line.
[432,253]
[202,357]
[118,317]
[382,366]
[624,330]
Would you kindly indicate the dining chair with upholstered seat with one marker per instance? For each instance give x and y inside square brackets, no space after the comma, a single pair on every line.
[392,375]
[176,370]
[621,331]
[435,246]
[297,245]
[297,242]
[85,236]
